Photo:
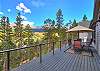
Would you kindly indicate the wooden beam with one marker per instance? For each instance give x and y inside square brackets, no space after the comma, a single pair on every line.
[96,10]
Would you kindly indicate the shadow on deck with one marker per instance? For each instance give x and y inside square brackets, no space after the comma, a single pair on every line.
[63,61]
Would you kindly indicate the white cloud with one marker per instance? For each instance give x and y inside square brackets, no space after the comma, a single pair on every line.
[28,22]
[22,7]
[18,8]
[23,17]
[0,18]
[9,10]
[38,3]
[27,11]
[1,13]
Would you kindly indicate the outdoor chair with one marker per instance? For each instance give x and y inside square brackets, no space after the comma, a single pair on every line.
[88,46]
[77,45]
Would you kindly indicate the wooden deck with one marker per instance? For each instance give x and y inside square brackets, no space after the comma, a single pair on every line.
[63,61]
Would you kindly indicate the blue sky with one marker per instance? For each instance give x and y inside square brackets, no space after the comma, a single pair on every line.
[36,11]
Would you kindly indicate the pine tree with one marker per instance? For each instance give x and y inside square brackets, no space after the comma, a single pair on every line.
[48,26]
[74,24]
[59,19]
[84,18]
[53,24]
[28,35]
[19,30]
[6,30]
[67,24]
[7,42]
[59,23]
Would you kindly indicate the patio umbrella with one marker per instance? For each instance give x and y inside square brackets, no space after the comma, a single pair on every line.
[79,29]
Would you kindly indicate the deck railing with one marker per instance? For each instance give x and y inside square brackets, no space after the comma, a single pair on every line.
[8,52]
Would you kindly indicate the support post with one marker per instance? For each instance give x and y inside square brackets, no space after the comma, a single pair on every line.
[53,48]
[60,45]
[40,53]
[8,61]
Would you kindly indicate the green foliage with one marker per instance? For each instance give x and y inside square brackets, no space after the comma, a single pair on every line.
[55,31]
[59,18]
[6,37]
[18,18]
[28,40]
[19,31]
[53,23]
[73,35]
[74,24]
[63,34]
[49,26]
[84,18]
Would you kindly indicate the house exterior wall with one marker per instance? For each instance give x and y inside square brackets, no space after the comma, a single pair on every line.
[96,10]
[96,25]
[98,37]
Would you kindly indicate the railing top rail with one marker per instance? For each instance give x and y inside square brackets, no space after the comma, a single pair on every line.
[23,47]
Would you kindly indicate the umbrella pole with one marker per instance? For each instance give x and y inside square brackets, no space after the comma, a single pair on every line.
[67,35]
[78,34]
[72,36]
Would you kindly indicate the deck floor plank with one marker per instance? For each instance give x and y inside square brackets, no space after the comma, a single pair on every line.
[89,66]
[62,61]
[67,63]
[74,63]
[68,58]
[79,63]
[97,62]
[82,64]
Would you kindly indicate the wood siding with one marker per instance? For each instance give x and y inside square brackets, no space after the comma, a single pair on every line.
[98,37]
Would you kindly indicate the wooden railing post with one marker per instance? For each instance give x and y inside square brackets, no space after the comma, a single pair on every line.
[53,47]
[40,53]
[65,43]
[60,45]
[8,61]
